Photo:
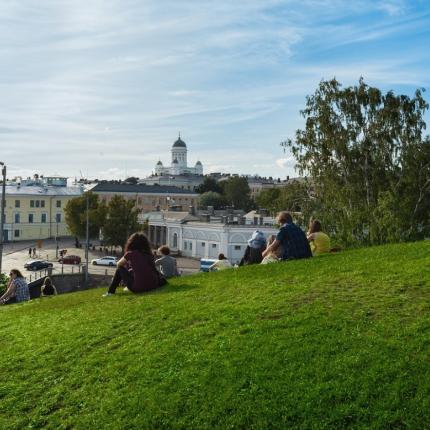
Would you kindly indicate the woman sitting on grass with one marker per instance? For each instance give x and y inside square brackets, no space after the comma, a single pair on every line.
[166,264]
[273,256]
[136,269]
[17,289]
[48,288]
[319,241]
[221,264]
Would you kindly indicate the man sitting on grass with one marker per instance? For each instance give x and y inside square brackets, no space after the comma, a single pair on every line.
[166,264]
[292,239]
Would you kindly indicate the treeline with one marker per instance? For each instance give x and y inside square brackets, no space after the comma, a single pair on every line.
[233,191]
[367,164]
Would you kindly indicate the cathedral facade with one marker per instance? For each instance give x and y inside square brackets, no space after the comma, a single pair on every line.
[179,165]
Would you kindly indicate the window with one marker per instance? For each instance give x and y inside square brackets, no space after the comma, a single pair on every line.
[58,203]
[17,203]
[16,233]
[214,245]
[237,247]
[58,218]
[37,203]
[42,203]
[185,245]
[191,246]
[32,203]
[175,240]
[203,244]
[43,218]
[30,218]
[17,219]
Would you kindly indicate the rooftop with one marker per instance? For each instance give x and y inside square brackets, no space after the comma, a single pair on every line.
[140,189]
[42,190]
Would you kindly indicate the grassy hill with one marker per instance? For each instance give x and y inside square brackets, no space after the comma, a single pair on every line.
[340,341]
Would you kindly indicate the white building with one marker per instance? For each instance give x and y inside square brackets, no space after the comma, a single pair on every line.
[192,237]
[179,164]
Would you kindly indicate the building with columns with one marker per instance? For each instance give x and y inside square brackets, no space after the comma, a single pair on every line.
[190,236]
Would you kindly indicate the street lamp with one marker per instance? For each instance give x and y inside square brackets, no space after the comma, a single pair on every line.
[3,204]
[87,244]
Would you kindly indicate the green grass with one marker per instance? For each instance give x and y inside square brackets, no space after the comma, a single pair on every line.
[340,341]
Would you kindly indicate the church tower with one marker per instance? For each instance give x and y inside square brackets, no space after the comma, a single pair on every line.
[179,154]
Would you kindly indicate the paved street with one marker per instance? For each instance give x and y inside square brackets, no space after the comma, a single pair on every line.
[15,255]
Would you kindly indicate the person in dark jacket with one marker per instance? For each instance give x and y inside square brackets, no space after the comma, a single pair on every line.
[48,288]
[292,238]
[254,250]
[136,269]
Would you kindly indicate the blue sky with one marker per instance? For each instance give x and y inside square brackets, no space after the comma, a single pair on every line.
[104,86]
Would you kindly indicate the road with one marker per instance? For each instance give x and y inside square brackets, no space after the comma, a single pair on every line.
[16,254]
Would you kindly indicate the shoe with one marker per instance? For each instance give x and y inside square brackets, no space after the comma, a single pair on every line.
[108,294]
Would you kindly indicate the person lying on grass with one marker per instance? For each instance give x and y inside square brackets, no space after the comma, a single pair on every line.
[292,239]
[136,269]
[221,264]
[166,264]
[275,255]
[17,289]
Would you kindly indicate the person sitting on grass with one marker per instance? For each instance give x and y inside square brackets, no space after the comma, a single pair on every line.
[136,269]
[254,250]
[48,288]
[166,264]
[221,264]
[319,241]
[292,239]
[273,256]
[17,289]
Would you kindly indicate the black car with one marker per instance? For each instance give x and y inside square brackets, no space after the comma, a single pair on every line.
[37,265]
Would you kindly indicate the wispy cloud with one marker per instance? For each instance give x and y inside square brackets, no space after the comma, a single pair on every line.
[104,85]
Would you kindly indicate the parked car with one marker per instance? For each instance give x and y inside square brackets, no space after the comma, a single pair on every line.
[70,259]
[105,261]
[37,265]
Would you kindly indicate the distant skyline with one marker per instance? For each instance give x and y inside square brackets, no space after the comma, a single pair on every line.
[104,87]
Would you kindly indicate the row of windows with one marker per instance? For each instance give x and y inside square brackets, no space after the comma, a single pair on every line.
[43,217]
[37,203]
[189,246]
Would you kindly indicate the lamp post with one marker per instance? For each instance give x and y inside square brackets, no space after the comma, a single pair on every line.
[3,204]
[87,242]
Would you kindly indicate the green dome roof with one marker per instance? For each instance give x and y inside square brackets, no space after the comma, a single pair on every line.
[179,143]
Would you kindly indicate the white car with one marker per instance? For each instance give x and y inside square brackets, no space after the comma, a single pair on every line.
[105,261]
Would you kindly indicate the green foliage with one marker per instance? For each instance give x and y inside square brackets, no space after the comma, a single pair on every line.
[369,162]
[76,215]
[335,342]
[4,279]
[209,184]
[121,221]
[211,198]
[237,192]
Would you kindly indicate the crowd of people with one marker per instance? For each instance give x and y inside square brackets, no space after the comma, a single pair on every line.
[141,270]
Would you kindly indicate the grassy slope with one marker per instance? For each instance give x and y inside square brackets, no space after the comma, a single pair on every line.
[341,341]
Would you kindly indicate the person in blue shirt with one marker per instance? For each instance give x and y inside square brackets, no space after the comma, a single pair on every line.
[292,239]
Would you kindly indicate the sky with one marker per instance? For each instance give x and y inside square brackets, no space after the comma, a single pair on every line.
[101,88]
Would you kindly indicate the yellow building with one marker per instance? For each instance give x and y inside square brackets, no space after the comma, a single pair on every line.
[36,211]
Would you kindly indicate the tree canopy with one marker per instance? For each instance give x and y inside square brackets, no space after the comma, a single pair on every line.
[76,215]
[209,184]
[211,198]
[369,162]
[237,192]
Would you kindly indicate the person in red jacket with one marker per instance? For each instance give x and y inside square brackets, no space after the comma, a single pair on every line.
[136,269]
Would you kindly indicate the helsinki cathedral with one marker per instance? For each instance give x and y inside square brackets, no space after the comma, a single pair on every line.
[179,162]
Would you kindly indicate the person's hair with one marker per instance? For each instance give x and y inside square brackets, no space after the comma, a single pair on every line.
[221,257]
[284,217]
[315,226]
[47,282]
[17,273]
[271,239]
[165,250]
[138,242]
